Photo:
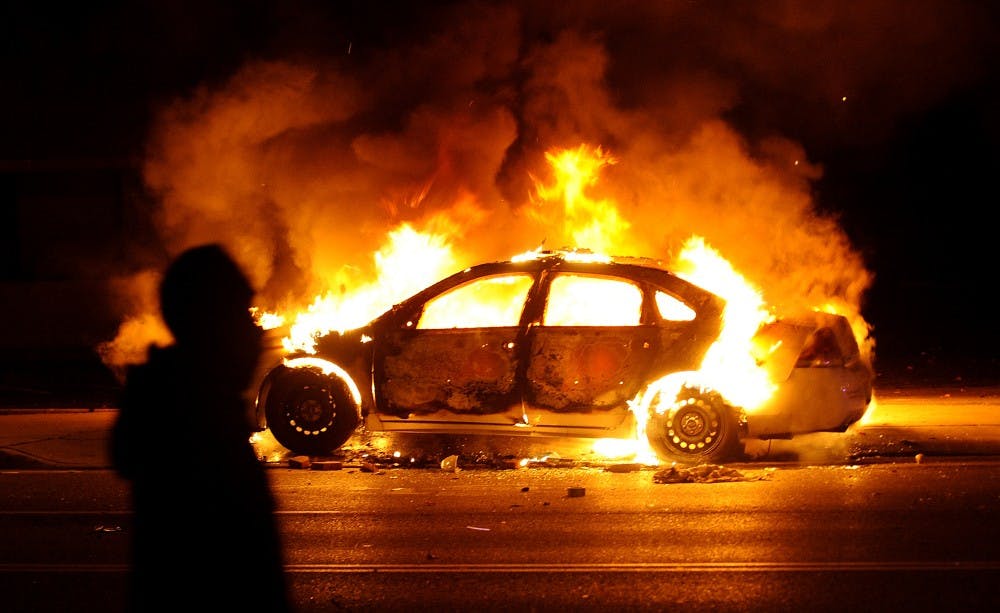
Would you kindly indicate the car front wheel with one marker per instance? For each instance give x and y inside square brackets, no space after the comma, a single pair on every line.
[698,427]
[309,412]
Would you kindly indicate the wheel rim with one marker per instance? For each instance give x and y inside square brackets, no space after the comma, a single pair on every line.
[692,427]
[311,411]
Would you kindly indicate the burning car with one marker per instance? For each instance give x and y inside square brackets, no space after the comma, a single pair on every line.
[565,344]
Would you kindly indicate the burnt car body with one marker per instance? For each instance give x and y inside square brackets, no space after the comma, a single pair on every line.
[516,348]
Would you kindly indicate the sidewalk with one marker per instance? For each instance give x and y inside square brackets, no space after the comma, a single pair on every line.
[55,438]
[931,422]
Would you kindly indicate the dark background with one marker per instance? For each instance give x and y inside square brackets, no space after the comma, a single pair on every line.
[917,195]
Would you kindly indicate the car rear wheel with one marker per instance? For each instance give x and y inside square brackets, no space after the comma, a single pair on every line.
[698,427]
[309,412]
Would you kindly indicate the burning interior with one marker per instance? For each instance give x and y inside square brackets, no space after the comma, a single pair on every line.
[569,344]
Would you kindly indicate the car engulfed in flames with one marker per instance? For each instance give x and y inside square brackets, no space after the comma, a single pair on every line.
[561,345]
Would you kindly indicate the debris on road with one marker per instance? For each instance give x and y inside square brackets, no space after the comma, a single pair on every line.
[450,463]
[507,463]
[624,468]
[300,461]
[703,473]
[551,461]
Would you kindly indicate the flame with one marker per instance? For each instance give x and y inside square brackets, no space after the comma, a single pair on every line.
[729,365]
[266,319]
[497,302]
[595,224]
[327,368]
[627,449]
[411,260]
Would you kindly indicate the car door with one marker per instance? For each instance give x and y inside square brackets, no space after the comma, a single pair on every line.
[589,352]
[460,356]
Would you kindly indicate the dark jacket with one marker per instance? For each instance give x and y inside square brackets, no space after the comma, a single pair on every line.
[205,532]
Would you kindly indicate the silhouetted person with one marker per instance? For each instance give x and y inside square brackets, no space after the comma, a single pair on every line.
[205,536]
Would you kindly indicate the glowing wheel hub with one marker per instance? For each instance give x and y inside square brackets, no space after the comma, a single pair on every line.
[692,424]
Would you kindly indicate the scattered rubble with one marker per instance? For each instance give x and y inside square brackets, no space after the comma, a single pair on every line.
[300,461]
[450,464]
[624,468]
[551,460]
[875,444]
[506,463]
[703,473]
[376,459]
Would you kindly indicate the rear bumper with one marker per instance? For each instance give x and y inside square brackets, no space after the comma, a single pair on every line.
[813,400]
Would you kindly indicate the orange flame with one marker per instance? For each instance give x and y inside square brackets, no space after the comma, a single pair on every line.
[595,224]
[729,365]
[410,260]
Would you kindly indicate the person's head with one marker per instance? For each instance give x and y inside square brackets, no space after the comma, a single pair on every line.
[205,300]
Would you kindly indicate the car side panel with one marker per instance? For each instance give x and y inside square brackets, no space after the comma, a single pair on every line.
[813,400]
[464,371]
[586,369]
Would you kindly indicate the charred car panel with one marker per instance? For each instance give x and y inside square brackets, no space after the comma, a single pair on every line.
[577,369]
[533,357]
[465,371]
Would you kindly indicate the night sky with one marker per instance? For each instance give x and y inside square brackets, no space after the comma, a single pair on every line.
[133,129]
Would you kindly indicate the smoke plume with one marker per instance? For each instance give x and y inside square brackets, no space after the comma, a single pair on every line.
[717,115]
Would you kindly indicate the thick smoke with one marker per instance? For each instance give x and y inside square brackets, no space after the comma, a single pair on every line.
[302,162]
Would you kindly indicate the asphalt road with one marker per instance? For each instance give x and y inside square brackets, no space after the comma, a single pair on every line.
[900,513]
[875,537]
[901,424]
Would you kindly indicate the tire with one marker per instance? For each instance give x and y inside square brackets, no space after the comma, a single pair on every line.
[308,412]
[698,427]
